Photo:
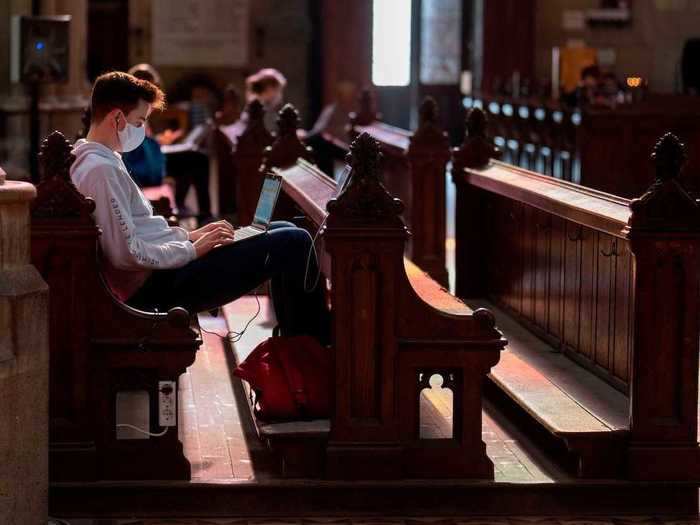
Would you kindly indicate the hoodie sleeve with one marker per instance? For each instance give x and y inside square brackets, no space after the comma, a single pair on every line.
[123,247]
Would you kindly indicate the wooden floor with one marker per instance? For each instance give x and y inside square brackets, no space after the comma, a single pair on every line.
[515,520]
[221,444]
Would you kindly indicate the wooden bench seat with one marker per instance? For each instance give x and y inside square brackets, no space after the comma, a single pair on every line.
[580,412]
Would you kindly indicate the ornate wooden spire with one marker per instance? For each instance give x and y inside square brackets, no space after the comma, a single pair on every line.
[287,148]
[666,206]
[477,149]
[429,135]
[288,120]
[57,197]
[367,112]
[365,199]
[256,112]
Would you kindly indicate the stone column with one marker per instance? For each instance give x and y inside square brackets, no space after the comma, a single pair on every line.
[24,365]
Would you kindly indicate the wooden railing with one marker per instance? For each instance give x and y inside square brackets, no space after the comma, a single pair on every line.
[598,147]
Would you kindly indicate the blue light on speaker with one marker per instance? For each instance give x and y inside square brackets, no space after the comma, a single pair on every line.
[39,46]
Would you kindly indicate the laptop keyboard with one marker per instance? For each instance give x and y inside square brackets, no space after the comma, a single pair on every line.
[246,233]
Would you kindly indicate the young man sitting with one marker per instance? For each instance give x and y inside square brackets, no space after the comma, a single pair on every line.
[151,265]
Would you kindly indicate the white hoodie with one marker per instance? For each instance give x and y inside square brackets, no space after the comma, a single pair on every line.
[133,240]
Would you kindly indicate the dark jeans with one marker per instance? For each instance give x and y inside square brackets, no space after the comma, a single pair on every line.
[228,272]
[188,168]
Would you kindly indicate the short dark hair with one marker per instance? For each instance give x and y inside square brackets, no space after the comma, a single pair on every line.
[119,90]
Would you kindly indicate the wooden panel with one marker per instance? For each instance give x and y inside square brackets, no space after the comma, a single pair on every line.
[541,268]
[604,299]
[528,257]
[622,334]
[366,349]
[589,245]
[568,283]
[572,285]
[555,296]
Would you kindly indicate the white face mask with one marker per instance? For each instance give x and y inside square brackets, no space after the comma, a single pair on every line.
[131,137]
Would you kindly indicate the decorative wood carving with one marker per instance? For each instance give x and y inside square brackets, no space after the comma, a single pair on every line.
[666,206]
[58,196]
[367,112]
[429,135]
[477,150]
[365,200]
[287,147]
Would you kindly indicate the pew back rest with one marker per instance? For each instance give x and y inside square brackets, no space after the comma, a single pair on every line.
[555,255]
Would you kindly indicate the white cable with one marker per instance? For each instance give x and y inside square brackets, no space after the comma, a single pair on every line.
[312,249]
[127,425]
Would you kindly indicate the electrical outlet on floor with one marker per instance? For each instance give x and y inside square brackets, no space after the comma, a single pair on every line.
[167,403]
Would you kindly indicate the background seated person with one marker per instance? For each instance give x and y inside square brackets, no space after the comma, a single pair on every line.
[146,164]
[152,265]
[267,86]
[187,160]
[230,110]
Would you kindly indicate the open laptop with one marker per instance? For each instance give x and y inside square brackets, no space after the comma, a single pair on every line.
[263,213]
[343,179]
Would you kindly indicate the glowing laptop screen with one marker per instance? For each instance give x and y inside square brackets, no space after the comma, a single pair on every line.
[267,201]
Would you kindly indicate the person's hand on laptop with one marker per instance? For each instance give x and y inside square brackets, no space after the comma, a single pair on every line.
[213,238]
[199,232]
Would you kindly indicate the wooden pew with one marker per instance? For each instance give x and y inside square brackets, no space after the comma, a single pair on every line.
[101,350]
[286,148]
[386,317]
[247,158]
[414,171]
[609,283]
[599,147]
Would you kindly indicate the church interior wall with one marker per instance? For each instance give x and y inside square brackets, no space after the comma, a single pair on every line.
[650,46]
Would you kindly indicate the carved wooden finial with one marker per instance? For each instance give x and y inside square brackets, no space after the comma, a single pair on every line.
[367,109]
[287,148]
[477,150]
[255,110]
[288,120]
[57,197]
[55,156]
[666,206]
[428,112]
[476,123]
[365,199]
[429,140]
[669,157]
[364,157]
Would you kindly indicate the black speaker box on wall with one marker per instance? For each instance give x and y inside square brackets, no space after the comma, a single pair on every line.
[40,49]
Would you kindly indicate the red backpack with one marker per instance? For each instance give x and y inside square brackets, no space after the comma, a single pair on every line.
[291,378]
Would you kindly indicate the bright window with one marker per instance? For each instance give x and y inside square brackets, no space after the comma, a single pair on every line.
[391,43]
